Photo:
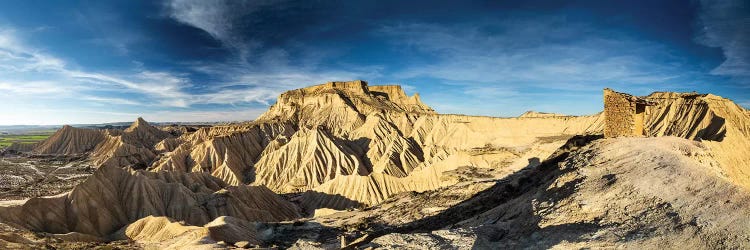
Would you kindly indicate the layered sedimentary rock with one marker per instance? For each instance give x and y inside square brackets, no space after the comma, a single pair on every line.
[343,106]
[453,141]
[114,197]
[18,147]
[133,147]
[69,140]
[658,192]
[534,114]
[344,136]
[718,122]
[388,150]
[339,145]
[228,153]
[166,233]
[310,158]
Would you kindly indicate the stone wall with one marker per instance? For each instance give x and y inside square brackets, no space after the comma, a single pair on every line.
[619,114]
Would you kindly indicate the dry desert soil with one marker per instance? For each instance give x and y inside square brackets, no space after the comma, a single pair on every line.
[354,166]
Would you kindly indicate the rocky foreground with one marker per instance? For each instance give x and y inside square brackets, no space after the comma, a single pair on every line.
[345,164]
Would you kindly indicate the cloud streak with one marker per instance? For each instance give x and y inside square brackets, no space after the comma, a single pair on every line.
[724,24]
[237,83]
[530,53]
[270,71]
[164,89]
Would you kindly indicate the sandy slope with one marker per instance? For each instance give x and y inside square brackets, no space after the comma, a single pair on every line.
[720,123]
[114,197]
[614,193]
[344,145]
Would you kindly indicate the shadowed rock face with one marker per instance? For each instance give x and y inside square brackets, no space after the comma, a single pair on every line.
[718,122]
[341,145]
[656,192]
[114,197]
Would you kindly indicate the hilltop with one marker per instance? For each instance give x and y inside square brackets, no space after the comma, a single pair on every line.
[379,167]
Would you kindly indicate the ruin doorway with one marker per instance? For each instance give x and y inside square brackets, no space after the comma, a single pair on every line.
[640,115]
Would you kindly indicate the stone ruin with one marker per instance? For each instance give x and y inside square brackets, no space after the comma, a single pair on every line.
[624,114]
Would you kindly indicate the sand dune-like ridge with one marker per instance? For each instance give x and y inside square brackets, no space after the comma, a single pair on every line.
[69,140]
[114,197]
[345,145]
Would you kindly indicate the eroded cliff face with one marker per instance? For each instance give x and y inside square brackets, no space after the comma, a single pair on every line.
[114,197]
[229,153]
[345,139]
[341,107]
[69,140]
[134,147]
[337,145]
[716,121]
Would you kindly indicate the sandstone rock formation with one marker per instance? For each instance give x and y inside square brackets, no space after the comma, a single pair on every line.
[532,114]
[310,158]
[114,197]
[342,106]
[165,233]
[718,122]
[344,145]
[615,193]
[69,140]
[229,153]
[135,146]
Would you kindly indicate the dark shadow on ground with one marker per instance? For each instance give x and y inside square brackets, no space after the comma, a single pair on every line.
[507,192]
[311,200]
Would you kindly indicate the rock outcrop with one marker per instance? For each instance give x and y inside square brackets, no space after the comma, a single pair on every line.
[718,122]
[346,144]
[134,147]
[534,114]
[662,192]
[228,153]
[166,233]
[342,106]
[114,197]
[310,158]
[69,140]
[337,137]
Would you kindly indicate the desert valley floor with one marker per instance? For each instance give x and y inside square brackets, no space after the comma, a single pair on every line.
[349,165]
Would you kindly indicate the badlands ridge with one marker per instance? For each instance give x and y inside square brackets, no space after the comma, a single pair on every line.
[344,164]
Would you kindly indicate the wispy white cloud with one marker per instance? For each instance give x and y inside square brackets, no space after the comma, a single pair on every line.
[110,100]
[724,24]
[59,116]
[221,19]
[167,88]
[33,88]
[516,63]
[270,71]
[523,53]
[29,73]
[262,83]
[20,62]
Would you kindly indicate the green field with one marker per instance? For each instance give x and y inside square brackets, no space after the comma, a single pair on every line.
[7,140]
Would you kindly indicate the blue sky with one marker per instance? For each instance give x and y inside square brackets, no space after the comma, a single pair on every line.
[67,62]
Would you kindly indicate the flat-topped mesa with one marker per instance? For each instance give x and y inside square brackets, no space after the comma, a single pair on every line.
[344,105]
[396,94]
[383,97]
[534,114]
[356,87]
[391,92]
